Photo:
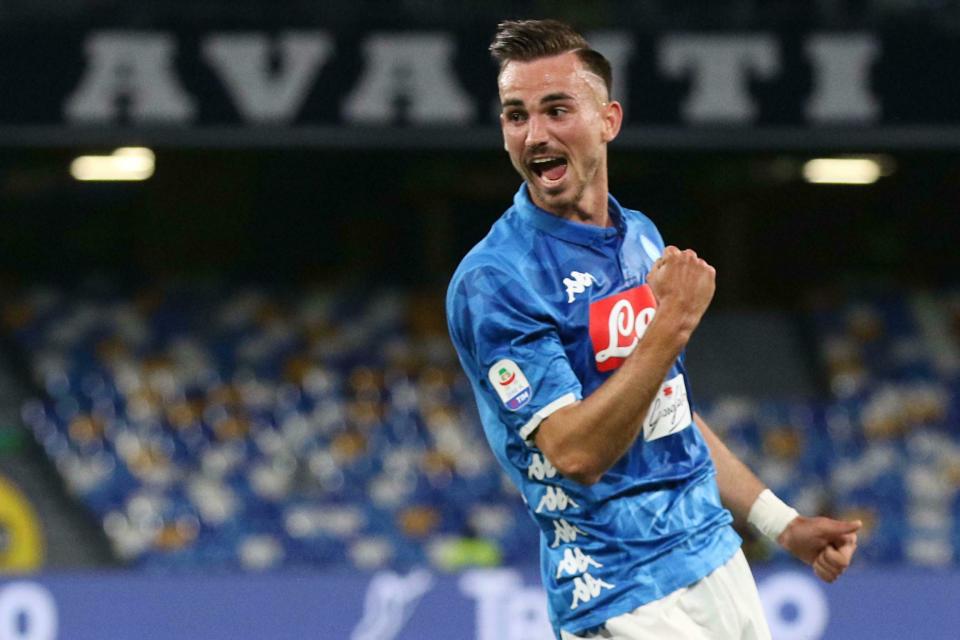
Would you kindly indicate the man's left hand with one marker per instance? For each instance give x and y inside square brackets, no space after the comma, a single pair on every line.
[826,544]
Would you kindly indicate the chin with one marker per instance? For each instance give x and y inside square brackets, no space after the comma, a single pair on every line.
[543,191]
[559,204]
[560,196]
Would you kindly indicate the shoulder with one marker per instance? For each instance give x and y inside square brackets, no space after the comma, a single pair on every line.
[479,273]
[637,220]
[642,229]
[491,274]
[494,261]
[486,297]
[485,273]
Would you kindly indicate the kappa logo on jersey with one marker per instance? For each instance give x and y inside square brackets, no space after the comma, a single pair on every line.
[618,322]
[577,283]
[511,385]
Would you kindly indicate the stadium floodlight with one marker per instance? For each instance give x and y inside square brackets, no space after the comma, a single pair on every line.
[124,164]
[843,170]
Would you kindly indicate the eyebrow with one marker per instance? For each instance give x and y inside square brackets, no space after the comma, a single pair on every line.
[551,97]
[555,97]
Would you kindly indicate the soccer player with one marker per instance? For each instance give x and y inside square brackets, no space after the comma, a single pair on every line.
[570,319]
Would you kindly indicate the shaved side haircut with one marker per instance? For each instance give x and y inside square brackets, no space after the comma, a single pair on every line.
[526,40]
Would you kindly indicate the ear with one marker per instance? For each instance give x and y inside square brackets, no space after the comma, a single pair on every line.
[612,115]
[503,122]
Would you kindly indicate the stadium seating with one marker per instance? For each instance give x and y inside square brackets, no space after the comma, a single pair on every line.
[223,427]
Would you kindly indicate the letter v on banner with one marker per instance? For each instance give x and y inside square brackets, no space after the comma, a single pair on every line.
[260,94]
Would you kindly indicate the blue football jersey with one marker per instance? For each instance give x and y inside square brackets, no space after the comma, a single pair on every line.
[541,312]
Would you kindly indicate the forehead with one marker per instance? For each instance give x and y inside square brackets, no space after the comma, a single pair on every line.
[528,81]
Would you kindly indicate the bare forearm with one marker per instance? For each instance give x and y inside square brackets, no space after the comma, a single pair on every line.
[584,440]
[739,487]
[826,544]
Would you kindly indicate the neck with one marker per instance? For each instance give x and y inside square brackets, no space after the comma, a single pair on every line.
[591,208]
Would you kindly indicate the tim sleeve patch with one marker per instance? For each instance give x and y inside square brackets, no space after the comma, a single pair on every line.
[510,383]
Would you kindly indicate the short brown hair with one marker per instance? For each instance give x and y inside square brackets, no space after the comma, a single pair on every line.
[526,40]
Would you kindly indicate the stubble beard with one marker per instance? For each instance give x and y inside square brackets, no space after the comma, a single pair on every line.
[572,204]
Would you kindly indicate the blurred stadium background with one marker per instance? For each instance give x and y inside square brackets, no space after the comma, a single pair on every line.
[228,404]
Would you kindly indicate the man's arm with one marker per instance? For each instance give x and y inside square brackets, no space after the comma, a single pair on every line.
[585,439]
[739,487]
[827,545]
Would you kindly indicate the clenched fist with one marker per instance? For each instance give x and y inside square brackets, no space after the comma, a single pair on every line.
[827,545]
[684,285]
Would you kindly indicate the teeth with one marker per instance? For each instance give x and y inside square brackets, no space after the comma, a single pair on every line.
[541,165]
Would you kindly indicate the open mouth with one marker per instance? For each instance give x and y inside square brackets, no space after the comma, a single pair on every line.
[549,169]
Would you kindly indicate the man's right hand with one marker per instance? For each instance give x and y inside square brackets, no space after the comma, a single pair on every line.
[683,285]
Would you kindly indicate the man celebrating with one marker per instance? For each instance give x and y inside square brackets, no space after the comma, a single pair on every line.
[570,319]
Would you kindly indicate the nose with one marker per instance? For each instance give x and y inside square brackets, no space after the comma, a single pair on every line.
[536,131]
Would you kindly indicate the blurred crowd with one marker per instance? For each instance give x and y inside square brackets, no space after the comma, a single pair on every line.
[254,428]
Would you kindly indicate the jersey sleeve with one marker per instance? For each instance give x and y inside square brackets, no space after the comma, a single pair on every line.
[510,348]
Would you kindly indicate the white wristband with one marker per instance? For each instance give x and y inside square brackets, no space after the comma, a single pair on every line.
[770,515]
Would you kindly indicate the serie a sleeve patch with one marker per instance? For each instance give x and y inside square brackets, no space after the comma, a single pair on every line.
[511,385]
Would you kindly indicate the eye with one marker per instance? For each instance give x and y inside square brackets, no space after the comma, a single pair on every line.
[516,116]
[556,112]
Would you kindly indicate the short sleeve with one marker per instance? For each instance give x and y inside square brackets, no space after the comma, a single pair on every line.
[510,348]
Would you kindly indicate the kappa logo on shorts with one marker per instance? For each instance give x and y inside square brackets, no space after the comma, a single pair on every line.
[618,322]
[511,385]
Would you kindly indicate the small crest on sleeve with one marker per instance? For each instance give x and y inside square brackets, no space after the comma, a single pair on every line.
[652,250]
[510,383]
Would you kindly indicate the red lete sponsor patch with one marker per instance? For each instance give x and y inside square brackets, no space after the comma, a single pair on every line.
[618,322]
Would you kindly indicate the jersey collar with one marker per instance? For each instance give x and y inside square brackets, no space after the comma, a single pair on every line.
[568,230]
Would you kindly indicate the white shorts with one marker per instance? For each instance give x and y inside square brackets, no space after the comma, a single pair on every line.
[723,606]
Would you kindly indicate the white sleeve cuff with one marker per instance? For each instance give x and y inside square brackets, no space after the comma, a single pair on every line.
[526,431]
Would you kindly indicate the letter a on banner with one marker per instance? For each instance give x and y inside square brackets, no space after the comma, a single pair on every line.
[134,65]
[414,68]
